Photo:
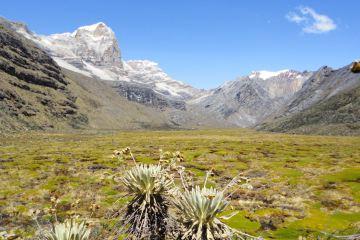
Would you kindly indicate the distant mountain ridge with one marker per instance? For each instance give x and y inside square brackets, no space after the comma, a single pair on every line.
[94,87]
[248,100]
[328,102]
[323,84]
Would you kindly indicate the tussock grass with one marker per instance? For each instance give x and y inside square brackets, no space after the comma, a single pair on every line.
[291,176]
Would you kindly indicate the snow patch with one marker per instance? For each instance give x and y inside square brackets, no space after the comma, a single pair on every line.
[266,74]
[70,67]
[92,27]
[100,73]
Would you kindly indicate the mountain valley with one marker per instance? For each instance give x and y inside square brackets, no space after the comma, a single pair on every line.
[169,120]
[81,81]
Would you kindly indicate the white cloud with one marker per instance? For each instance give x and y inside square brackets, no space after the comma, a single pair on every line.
[311,21]
[293,17]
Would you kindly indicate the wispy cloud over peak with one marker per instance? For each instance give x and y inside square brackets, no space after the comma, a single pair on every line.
[311,21]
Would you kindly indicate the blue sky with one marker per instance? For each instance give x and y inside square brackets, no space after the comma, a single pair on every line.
[207,42]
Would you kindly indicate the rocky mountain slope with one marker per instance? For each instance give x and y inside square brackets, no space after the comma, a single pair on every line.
[79,80]
[249,100]
[149,73]
[328,103]
[144,82]
[94,51]
[145,95]
[323,84]
[35,93]
[105,108]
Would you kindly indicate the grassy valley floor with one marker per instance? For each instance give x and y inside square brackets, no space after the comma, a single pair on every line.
[302,185]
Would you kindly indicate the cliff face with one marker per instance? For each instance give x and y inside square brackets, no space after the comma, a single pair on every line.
[25,61]
[33,91]
[96,44]
[146,96]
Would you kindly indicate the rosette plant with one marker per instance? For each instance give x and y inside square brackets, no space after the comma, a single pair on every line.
[198,211]
[145,215]
[68,230]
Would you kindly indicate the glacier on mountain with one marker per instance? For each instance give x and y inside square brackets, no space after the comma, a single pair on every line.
[94,51]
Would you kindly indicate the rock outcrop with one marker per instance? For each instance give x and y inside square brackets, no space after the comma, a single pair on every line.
[355,68]
[32,85]
[146,96]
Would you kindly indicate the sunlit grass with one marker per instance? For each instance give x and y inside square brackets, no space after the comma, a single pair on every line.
[282,168]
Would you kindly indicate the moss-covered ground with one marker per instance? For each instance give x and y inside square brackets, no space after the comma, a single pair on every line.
[302,185]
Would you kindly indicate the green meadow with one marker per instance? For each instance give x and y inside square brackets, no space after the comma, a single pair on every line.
[305,186]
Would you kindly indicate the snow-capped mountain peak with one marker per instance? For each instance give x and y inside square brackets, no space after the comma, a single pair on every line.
[93,51]
[96,33]
[280,83]
[95,43]
[150,73]
[267,74]
[94,27]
